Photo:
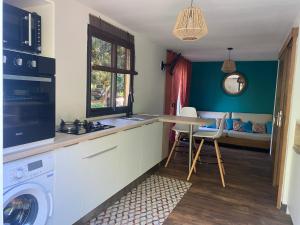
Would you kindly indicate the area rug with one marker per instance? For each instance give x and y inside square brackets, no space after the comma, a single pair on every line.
[150,202]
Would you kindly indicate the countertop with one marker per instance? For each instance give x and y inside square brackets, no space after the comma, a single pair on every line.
[64,140]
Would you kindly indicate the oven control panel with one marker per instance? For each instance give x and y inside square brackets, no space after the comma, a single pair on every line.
[27,64]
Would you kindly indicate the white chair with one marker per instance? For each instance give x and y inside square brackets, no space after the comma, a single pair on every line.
[214,135]
[181,128]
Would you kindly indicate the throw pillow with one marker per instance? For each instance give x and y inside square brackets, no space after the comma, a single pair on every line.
[211,123]
[237,125]
[229,123]
[259,128]
[242,126]
[269,126]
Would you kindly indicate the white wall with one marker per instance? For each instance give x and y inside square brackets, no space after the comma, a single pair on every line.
[291,187]
[71,19]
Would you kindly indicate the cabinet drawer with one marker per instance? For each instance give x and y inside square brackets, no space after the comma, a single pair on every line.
[96,147]
[85,177]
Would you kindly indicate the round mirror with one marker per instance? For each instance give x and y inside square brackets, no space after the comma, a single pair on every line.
[234,83]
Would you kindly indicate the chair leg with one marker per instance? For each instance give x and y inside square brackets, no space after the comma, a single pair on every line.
[194,143]
[195,160]
[195,170]
[195,146]
[178,141]
[219,162]
[223,169]
[172,150]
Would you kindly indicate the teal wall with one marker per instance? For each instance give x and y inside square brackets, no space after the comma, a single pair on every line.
[206,92]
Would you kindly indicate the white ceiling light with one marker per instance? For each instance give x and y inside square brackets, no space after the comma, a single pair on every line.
[190,24]
[228,64]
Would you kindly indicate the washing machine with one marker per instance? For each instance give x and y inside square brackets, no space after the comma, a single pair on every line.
[28,190]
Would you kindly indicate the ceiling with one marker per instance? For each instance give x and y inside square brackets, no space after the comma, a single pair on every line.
[255,29]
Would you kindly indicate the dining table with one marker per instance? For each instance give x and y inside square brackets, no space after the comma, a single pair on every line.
[191,122]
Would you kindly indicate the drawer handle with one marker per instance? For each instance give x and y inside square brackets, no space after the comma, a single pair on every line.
[101,152]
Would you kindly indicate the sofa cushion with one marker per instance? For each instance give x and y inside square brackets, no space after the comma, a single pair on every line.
[259,128]
[242,126]
[253,117]
[212,115]
[269,127]
[211,123]
[229,123]
[250,136]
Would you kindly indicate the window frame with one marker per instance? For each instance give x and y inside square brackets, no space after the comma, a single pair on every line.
[97,33]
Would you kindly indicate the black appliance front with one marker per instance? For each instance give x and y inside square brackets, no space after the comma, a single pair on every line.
[29,98]
[21,29]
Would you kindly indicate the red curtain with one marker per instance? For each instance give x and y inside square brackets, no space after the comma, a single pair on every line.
[179,80]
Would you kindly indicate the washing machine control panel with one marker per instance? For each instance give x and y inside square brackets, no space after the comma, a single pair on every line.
[18,173]
[25,169]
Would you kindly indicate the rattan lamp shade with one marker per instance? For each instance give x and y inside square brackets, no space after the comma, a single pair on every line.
[229,66]
[190,24]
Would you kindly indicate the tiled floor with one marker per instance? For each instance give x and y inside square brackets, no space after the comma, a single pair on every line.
[151,202]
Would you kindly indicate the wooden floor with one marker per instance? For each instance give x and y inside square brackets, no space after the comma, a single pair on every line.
[247,199]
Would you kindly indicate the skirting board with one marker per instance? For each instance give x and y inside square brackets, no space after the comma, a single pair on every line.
[283,208]
[84,220]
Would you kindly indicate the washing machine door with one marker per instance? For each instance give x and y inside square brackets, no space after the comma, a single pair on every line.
[27,204]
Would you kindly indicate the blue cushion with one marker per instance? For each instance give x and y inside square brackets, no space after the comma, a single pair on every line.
[212,125]
[269,126]
[229,123]
[247,127]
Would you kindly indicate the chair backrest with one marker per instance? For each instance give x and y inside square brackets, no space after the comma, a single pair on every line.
[188,112]
[221,128]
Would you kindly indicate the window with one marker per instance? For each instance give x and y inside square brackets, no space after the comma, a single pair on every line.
[110,69]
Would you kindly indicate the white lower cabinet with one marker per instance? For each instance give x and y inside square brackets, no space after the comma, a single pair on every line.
[85,177]
[90,172]
[129,156]
[151,148]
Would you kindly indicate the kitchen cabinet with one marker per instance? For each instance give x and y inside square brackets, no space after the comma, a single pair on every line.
[85,175]
[151,146]
[90,172]
[129,156]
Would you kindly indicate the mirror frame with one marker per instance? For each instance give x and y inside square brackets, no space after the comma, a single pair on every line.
[239,93]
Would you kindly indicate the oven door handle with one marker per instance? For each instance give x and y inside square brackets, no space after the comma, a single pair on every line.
[27,78]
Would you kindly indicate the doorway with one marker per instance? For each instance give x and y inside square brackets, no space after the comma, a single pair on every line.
[282,110]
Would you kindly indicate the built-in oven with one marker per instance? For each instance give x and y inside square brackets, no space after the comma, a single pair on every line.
[29,99]
[21,29]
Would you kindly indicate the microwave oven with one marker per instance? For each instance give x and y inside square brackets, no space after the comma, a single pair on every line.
[21,30]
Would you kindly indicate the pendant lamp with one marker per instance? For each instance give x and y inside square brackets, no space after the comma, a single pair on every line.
[228,64]
[190,24]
